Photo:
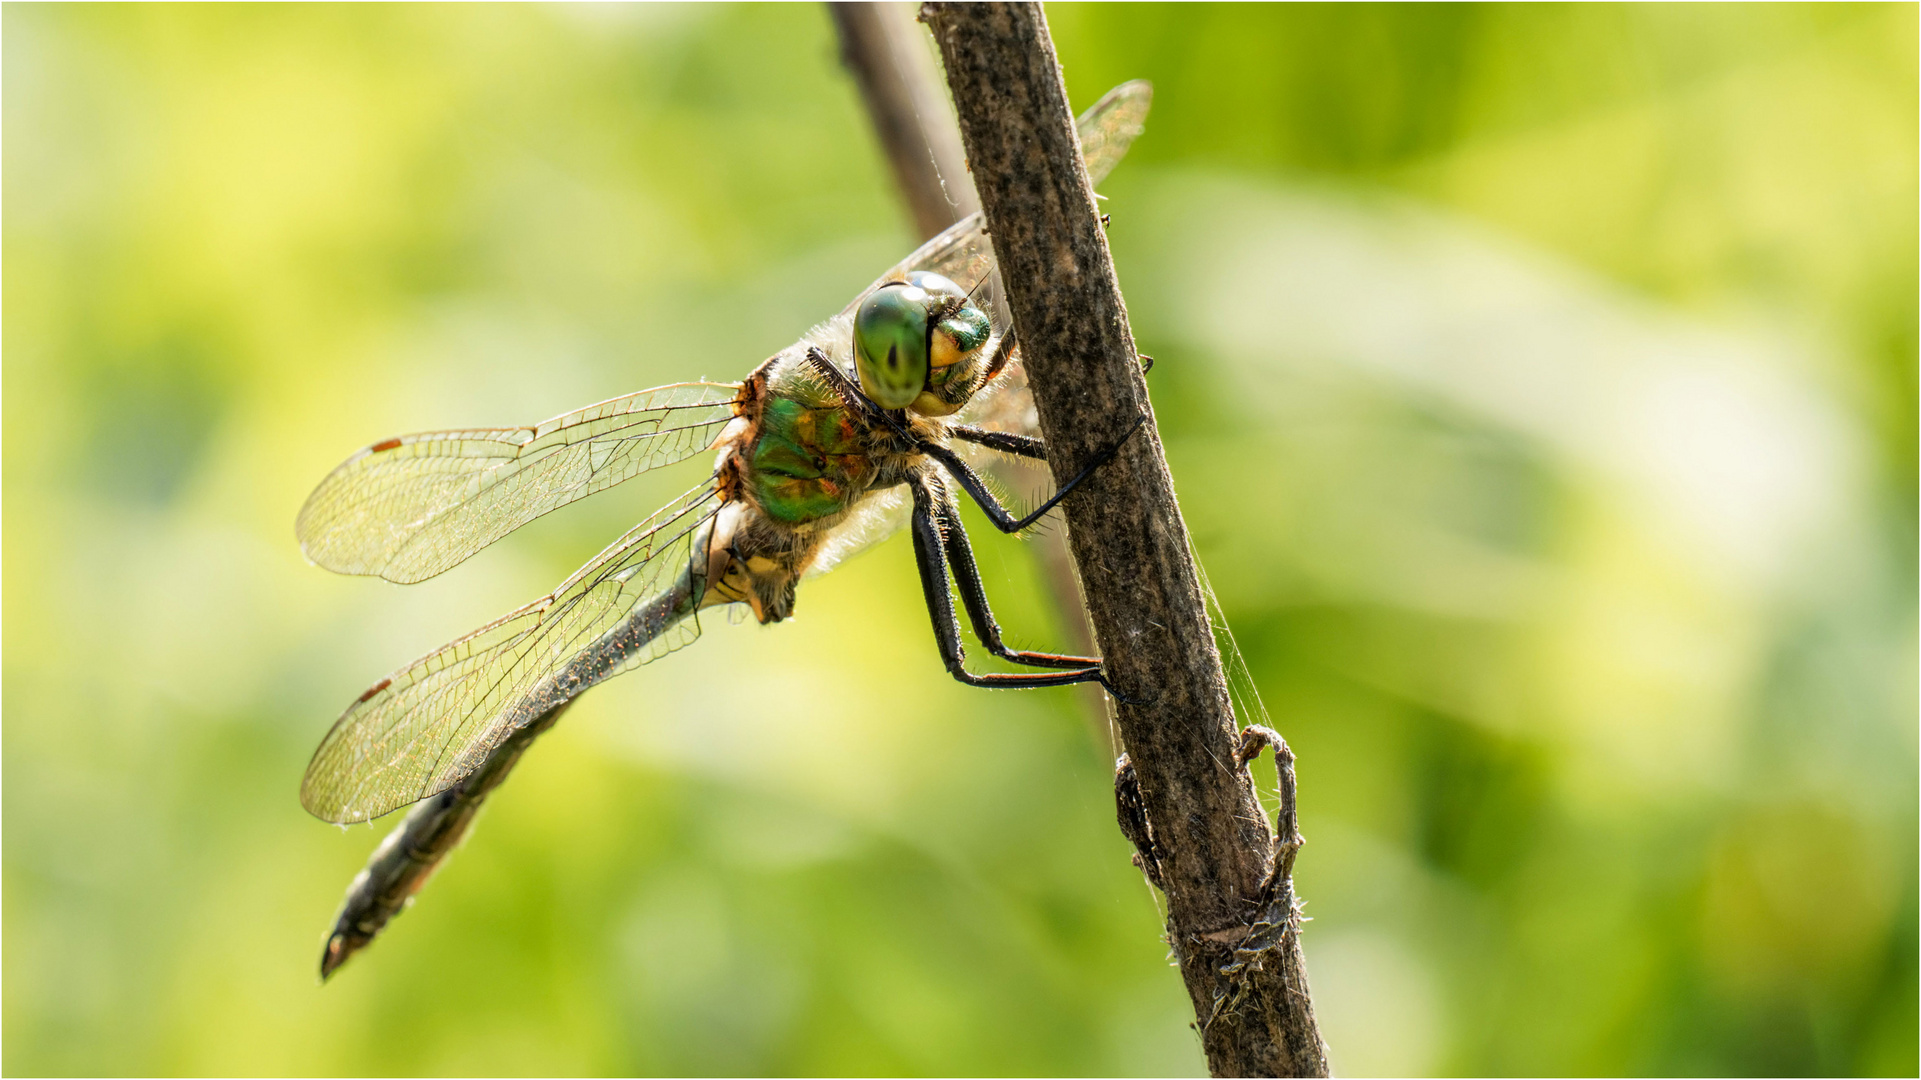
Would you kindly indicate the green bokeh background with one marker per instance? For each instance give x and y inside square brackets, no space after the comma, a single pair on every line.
[1539,383]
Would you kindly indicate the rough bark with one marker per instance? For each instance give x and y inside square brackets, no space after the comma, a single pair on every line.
[1232,917]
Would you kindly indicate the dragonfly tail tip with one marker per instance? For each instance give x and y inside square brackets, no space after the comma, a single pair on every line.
[334,955]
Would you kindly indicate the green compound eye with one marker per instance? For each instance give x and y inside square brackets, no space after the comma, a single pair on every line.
[890,344]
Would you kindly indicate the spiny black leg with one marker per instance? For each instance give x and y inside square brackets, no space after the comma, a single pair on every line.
[1003,352]
[928,554]
[851,393]
[971,482]
[996,513]
[1005,441]
[967,575]
[848,389]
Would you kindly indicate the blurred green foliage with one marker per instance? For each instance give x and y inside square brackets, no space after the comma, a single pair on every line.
[1604,697]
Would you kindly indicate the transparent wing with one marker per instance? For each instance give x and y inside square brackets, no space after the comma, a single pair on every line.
[875,518]
[1004,404]
[963,254]
[408,508]
[1109,128]
[429,725]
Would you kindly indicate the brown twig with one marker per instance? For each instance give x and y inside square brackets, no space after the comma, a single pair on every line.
[1231,921]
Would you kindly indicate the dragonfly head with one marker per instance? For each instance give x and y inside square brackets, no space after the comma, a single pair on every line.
[920,343]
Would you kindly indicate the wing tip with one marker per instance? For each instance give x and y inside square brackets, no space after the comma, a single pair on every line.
[1133,90]
[327,811]
[323,804]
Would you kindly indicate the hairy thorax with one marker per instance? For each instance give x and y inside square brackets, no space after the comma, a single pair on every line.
[793,464]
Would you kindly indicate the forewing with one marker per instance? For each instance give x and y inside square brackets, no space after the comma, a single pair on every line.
[408,508]
[962,252]
[432,723]
[1109,128]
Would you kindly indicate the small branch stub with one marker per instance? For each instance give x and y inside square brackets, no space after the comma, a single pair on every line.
[1205,833]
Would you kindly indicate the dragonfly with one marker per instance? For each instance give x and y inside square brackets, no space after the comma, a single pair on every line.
[870,418]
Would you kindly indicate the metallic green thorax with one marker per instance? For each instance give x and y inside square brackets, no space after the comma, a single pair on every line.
[808,462]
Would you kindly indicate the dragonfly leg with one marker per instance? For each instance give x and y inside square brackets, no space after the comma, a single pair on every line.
[1005,441]
[1006,522]
[960,556]
[1003,352]
[930,554]
[850,391]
